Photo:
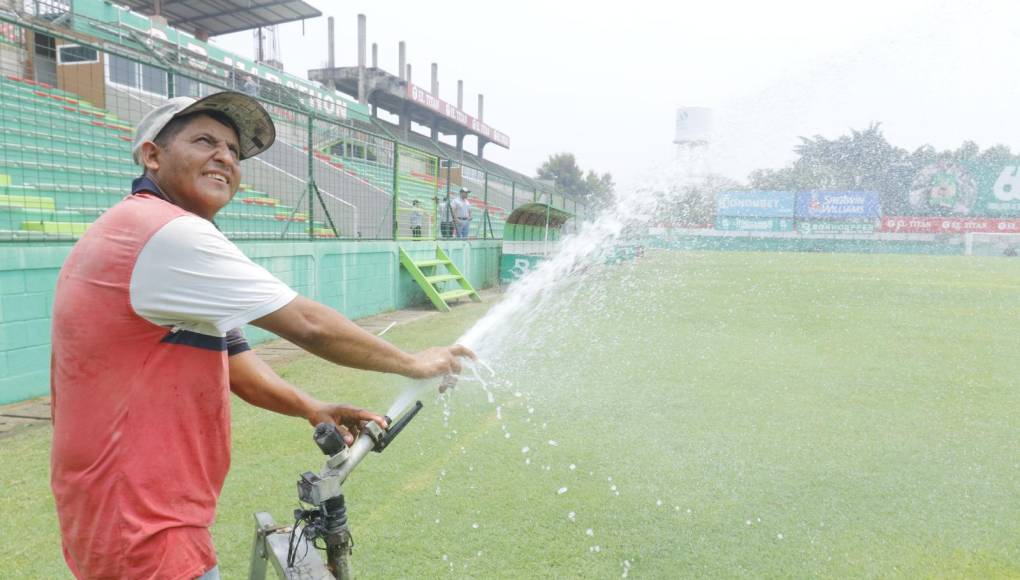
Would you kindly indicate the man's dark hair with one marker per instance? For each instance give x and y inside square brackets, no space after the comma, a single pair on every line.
[177,124]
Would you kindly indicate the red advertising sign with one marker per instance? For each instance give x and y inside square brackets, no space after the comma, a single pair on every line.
[949,225]
[425,98]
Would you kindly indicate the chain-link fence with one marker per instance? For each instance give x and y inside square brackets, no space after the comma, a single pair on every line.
[73,88]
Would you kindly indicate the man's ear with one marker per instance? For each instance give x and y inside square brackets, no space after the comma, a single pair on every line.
[149,155]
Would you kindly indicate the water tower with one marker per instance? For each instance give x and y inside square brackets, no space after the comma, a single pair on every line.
[693,139]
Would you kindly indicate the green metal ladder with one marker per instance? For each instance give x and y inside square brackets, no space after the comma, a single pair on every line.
[426,274]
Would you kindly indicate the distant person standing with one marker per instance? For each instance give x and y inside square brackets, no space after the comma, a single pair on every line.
[416,219]
[462,213]
[250,87]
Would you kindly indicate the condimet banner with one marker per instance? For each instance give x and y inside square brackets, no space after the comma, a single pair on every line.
[755,204]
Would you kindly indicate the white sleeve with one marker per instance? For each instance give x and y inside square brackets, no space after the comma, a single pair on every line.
[189,275]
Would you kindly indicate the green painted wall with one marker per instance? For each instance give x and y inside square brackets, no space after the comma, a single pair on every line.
[357,278]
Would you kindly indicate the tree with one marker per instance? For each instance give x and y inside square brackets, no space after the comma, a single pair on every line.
[569,179]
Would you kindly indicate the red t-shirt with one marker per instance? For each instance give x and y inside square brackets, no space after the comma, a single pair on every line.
[141,416]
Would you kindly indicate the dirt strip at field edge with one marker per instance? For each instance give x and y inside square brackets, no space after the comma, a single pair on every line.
[35,413]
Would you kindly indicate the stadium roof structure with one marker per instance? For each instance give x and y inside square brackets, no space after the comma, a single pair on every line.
[216,17]
[394,94]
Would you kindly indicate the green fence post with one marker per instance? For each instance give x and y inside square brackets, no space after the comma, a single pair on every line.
[311,177]
[485,200]
[396,187]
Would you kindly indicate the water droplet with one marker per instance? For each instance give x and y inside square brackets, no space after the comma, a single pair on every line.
[589,532]
[610,478]
[571,516]
[525,449]
[572,467]
[531,410]
[437,490]
[553,443]
[437,520]
[779,536]
[506,435]
[445,557]
[499,412]
[527,461]
[518,394]
[561,491]
[748,522]
[598,549]
[658,502]
[612,487]
[475,526]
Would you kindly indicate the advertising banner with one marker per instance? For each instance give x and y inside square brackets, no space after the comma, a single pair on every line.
[837,205]
[754,224]
[426,99]
[967,188]
[949,225]
[831,227]
[779,204]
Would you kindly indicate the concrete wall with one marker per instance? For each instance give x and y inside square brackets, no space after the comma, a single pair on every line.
[357,278]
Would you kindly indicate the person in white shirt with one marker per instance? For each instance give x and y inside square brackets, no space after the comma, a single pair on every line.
[462,213]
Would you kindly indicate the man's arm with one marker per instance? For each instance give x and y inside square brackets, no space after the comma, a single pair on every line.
[326,333]
[254,381]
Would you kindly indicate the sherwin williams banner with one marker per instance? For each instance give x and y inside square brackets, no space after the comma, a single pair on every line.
[949,225]
[754,224]
[838,205]
[762,204]
[833,227]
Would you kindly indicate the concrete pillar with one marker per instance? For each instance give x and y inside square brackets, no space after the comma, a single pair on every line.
[332,44]
[375,55]
[481,108]
[481,146]
[460,142]
[435,80]
[408,79]
[403,61]
[460,95]
[362,76]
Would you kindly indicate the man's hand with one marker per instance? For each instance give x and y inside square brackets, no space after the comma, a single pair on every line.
[437,361]
[349,419]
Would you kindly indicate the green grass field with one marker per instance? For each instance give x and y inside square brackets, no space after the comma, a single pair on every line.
[685,415]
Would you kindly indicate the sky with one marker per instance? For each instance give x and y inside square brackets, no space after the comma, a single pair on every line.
[603,80]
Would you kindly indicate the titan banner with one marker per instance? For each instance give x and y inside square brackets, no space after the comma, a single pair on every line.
[967,189]
[754,224]
[755,204]
[838,205]
[836,227]
[949,225]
